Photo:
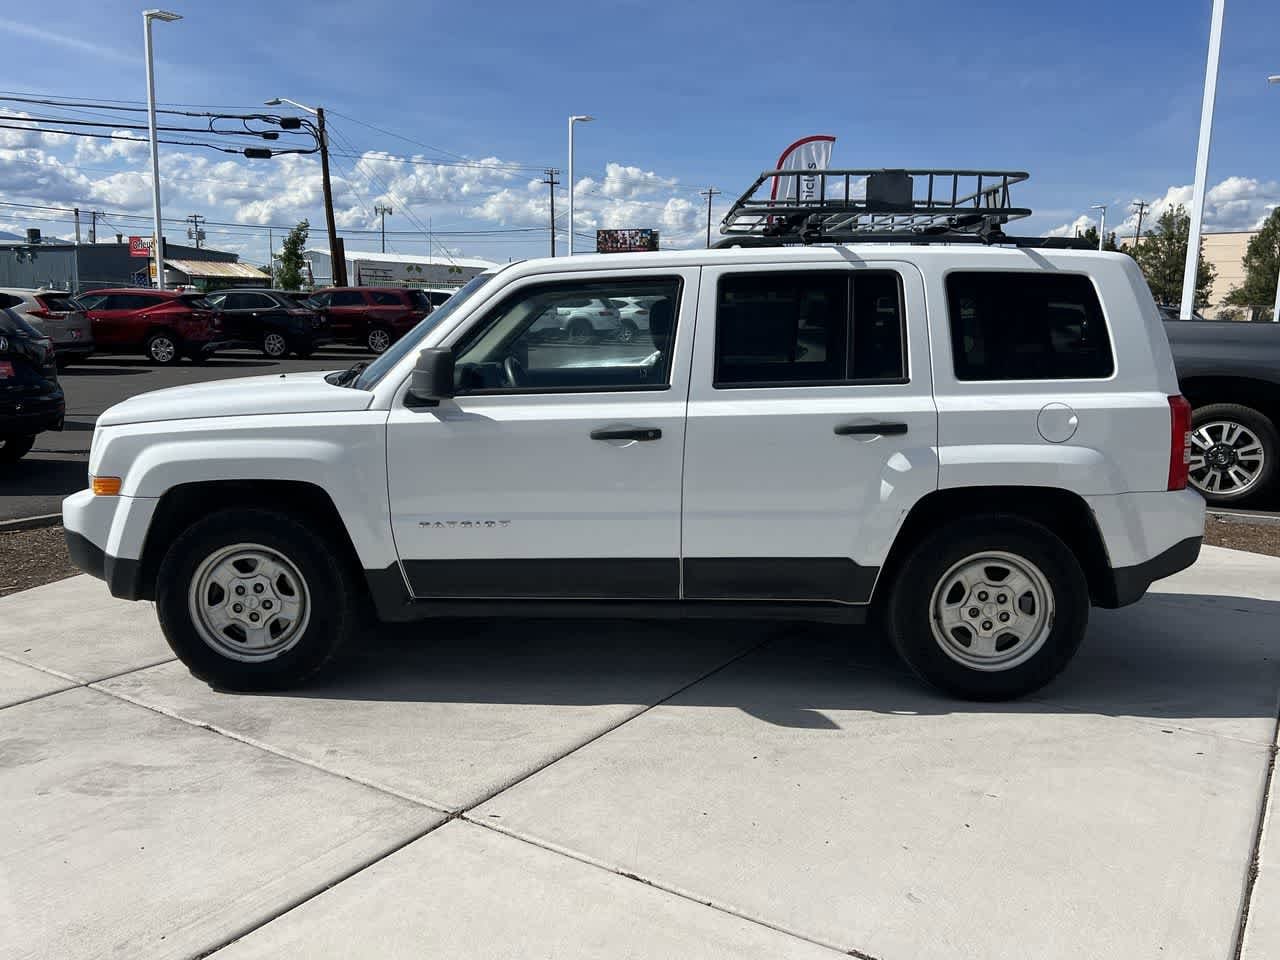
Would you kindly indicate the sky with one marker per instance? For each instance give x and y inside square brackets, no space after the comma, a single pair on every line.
[448,112]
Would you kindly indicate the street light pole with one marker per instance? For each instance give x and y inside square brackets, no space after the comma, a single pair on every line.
[157,242]
[1102,225]
[579,118]
[1275,311]
[1202,161]
[337,255]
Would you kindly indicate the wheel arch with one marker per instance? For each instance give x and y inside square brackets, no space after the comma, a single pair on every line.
[1260,395]
[1063,512]
[185,503]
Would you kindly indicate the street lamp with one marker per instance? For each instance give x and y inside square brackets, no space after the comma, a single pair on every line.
[1102,225]
[579,118]
[337,255]
[157,242]
[1275,312]
[1191,268]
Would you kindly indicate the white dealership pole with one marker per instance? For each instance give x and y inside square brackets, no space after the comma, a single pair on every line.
[581,118]
[1202,161]
[1102,225]
[157,242]
[1275,312]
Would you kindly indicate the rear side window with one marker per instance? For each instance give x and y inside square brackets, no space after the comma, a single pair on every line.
[386,298]
[809,328]
[346,298]
[1027,326]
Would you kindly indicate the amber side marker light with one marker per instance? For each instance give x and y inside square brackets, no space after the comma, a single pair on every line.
[106,486]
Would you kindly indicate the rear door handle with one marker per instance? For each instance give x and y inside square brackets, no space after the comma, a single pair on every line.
[870,429]
[627,433]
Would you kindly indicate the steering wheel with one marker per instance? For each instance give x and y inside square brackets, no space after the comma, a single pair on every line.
[514,370]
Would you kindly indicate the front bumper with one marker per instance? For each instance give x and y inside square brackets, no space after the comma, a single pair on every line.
[105,537]
[121,575]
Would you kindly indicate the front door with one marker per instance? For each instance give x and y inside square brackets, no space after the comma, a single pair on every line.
[812,429]
[555,471]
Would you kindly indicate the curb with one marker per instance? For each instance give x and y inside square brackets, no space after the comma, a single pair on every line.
[1243,516]
[31,523]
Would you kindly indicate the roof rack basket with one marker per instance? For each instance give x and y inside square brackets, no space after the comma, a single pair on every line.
[860,206]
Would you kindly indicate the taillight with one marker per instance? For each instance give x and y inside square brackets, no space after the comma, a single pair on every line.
[1179,442]
[42,313]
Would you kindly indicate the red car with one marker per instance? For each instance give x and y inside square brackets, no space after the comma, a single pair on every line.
[373,316]
[162,324]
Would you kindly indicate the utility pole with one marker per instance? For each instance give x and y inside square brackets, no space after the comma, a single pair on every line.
[1142,208]
[382,210]
[76,211]
[709,193]
[194,232]
[93,226]
[552,183]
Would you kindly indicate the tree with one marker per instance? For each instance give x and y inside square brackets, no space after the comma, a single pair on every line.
[1091,236]
[1261,266]
[1162,255]
[289,265]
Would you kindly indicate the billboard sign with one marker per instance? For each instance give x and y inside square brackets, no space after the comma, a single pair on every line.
[632,240]
[139,246]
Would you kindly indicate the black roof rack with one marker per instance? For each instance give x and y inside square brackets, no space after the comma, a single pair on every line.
[861,206]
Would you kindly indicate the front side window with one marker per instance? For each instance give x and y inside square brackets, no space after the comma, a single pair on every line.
[809,328]
[1027,326]
[566,337]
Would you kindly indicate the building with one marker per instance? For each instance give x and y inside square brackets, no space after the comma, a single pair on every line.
[1225,251]
[60,265]
[371,269]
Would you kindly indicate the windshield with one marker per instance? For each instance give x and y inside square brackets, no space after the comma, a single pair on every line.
[413,339]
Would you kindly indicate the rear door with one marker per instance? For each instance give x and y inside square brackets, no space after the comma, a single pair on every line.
[811,432]
[346,313]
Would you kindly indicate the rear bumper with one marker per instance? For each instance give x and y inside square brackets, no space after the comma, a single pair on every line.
[1130,583]
[1148,536]
[35,416]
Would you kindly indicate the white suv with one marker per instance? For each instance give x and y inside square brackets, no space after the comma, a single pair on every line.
[969,444]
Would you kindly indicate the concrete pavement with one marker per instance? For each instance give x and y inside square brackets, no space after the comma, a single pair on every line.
[579,789]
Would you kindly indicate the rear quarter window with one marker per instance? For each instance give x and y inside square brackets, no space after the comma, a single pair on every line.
[1027,326]
[386,298]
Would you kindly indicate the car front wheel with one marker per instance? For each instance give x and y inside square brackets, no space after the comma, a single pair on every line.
[1234,450]
[13,449]
[253,599]
[989,608]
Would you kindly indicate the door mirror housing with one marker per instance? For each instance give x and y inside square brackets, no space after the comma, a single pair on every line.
[432,378]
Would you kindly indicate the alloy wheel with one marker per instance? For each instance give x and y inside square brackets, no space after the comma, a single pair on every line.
[275,345]
[163,350]
[1227,458]
[378,340]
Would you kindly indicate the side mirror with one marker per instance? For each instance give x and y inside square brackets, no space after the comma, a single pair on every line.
[432,378]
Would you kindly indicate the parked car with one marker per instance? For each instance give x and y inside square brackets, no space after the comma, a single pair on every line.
[31,399]
[163,325]
[375,317]
[53,313]
[270,321]
[957,441]
[1230,372]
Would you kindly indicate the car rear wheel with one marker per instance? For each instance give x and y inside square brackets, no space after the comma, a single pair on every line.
[252,599]
[989,608]
[275,345]
[627,332]
[1234,450]
[13,449]
[581,331]
[377,339]
[162,348]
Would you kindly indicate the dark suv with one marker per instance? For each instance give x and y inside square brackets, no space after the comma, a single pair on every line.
[162,324]
[373,316]
[31,399]
[269,320]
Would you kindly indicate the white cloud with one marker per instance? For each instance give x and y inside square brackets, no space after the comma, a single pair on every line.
[1077,226]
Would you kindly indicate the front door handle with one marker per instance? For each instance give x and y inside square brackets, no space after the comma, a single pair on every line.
[627,433]
[870,429]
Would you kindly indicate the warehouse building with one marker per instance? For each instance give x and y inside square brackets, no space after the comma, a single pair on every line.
[372,269]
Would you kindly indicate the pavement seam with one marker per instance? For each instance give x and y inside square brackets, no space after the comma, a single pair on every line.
[683,894]
[75,683]
[1255,861]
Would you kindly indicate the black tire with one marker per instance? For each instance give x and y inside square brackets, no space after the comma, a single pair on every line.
[378,339]
[1256,424]
[334,610]
[910,619]
[163,348]
[304,352]
[581,331]
[13,449]
[275,345]
[627,331]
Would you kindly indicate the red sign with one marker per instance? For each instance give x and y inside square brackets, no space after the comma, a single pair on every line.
[139,246]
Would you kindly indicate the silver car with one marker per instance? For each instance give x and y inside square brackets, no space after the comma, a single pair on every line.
[57,315]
